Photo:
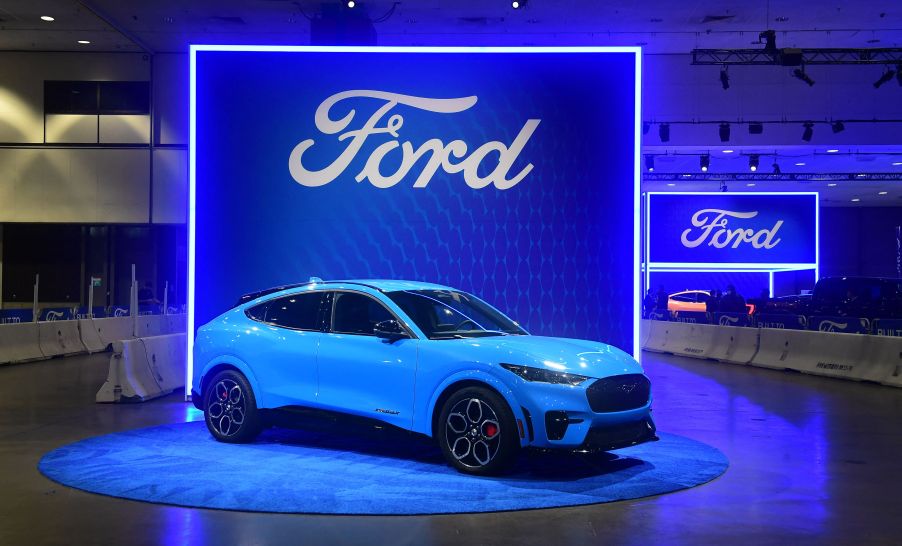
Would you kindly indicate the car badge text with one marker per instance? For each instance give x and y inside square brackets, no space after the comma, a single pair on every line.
[453,157]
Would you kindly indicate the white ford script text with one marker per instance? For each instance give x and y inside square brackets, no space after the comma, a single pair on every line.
[453,157]
[712,227]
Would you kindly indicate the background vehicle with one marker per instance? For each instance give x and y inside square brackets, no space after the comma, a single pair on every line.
[421,357]
[695,301]
[869,297]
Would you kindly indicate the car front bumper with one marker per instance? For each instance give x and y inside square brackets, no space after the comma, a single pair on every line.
[561,417]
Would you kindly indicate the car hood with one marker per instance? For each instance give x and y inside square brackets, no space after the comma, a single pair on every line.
[578,356]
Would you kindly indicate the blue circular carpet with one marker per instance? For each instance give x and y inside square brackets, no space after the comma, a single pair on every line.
[371,471]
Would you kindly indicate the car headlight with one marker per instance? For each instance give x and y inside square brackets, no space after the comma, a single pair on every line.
[542,375]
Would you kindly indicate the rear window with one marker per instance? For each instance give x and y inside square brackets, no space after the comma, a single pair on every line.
[298,311]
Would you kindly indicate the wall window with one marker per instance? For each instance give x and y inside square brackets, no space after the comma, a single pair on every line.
[96,97]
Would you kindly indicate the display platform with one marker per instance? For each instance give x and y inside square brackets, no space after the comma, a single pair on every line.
[377,471]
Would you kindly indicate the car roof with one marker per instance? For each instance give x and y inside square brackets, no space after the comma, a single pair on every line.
[382,285]
[389,285]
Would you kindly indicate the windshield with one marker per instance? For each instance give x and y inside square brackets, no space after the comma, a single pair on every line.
[447,314]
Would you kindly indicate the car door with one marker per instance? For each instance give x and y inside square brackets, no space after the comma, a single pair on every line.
[363,374]
[290,332]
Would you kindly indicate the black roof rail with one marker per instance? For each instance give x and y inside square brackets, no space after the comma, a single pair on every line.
[260,293]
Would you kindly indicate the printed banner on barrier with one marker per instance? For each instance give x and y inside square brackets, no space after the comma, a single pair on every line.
[15,316]
[731,319]
[888,327]
[509,173]
[783,322]
[848,325]
[755,230]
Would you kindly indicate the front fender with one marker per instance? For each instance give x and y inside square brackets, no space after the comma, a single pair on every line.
[241,366]
[423,423]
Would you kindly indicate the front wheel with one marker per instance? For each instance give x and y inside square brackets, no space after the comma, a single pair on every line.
[230,408]
[477,432]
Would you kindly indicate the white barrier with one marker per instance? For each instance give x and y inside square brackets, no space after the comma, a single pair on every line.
[734,344]
[90,337]
[144,368]
[657,336]
[113,329]
[688,339]
[857,357]
[60,337]
[151,325]
[644,331]
[19,342]
[177,323]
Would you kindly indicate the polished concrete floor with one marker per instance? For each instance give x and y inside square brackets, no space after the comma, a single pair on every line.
[813,461]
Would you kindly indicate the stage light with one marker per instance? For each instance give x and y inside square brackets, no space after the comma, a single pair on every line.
[800,164]
[753,162]
[84,42]
[47,18]
[808,132]
[832,150]
[888,74]
[837,127]
[664,132]
[704,161]
[856,200]
[517,4]
[724,78]
[649,163]
[724,132]
[756,128]
[881,193]
[776,167]
[800,74]
[350,3]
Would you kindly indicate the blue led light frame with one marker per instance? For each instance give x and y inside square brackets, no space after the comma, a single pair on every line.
[700,267]
[637,51]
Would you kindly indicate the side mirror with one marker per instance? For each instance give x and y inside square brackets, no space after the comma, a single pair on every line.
[389,330]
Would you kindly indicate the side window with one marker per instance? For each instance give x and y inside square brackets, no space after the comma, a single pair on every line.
[258,312]
[299,311]
[683,297]
[357,314]
[702,297]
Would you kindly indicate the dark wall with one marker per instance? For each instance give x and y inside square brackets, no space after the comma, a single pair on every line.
[859,241]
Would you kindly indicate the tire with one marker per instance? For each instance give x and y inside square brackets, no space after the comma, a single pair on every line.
[465,428]
[228,398]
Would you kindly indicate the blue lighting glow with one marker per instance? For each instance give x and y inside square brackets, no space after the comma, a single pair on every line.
[267,85]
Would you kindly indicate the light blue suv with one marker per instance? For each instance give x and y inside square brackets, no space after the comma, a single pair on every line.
[422,357]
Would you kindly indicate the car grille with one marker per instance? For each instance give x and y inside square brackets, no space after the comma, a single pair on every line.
[619,393]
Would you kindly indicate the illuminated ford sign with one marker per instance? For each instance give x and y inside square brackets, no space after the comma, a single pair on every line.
[749,230]
[508,172]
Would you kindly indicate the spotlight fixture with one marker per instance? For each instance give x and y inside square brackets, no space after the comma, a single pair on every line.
[808,132]
[776,167]
[649,163]
[350,3]
[800,74]
[664,132]
[47,18]
[84,42]
[888,74]
[753,162]
[724,78]
[646,127]
[517,4]
[837,127]
[756,128]
[724,132]
[704,162]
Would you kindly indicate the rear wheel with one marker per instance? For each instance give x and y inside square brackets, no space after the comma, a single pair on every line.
[230,408]
[477,432]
